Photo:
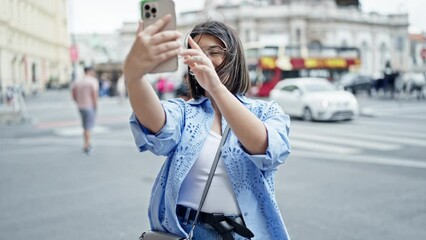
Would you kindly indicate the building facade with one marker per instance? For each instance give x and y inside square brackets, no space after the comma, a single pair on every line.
[305,23]
[34,44]
[418,52]
[104,52]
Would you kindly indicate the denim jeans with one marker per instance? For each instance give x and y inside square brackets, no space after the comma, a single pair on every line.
[204,231]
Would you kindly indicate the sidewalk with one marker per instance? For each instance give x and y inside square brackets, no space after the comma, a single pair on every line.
[53,112]
[9,115]
[18,115]
[15,123]
[13,114]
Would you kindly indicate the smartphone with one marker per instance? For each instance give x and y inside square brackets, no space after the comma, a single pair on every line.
[151,11]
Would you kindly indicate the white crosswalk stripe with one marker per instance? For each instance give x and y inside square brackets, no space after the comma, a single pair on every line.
[377,140]
[400,110]
[384,123]
[55,141]
[77,131]
[350,141]
[321,147]
[364,159]
[374,136]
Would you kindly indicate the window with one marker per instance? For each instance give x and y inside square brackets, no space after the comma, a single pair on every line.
[289,88]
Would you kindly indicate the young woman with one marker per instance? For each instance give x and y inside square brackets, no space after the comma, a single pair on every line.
[242,193]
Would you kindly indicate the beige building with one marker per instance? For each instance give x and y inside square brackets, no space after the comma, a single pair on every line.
[34,44]
[308,23]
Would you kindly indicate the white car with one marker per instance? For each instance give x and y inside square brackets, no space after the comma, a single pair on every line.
[314,99]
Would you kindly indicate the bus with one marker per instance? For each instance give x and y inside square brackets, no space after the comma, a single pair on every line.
[269,64]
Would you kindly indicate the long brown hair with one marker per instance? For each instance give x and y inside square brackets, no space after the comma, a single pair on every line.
[233,70]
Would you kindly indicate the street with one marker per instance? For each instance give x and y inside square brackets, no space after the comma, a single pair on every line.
[361,179]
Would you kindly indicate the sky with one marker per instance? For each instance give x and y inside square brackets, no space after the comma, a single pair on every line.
[106,16]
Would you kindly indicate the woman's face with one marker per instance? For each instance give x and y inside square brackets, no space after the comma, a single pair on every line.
[213,47]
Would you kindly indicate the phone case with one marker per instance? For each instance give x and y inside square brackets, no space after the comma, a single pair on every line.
[151,11]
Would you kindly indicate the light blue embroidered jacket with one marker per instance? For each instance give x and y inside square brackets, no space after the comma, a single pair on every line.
[252,176]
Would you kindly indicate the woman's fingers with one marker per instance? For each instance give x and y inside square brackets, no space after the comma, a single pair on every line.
[193,44]
[166,46]
[167,55]
[165,36]
[195,55]
[151,47]
[197,59]
[158,25]
[140,27]
[191,52]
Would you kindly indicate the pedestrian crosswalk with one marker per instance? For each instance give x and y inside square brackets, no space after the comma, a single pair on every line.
[312,146]
[396,110]
[394,134]
[363,136]
[349,140]
[378,140]
[393,107]
[77,131]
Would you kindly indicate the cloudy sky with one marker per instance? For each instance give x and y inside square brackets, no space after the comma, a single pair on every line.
[103,16]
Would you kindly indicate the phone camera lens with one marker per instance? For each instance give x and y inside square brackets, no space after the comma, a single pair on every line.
[147,15]
[147,7]
[154,10]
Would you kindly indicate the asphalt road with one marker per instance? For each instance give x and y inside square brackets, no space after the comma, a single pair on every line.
[363,179]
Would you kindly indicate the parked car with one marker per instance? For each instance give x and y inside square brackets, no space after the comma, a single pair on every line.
[355,82]
[315,99]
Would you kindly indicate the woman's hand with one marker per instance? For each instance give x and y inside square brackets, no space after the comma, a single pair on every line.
[201,66]
[151,47]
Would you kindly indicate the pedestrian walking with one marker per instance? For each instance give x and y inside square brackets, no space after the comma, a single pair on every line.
[85,93]
[161,86]
[105,85]
[241,200]
[121,89]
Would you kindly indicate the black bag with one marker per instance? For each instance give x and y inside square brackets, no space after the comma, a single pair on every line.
[155,235]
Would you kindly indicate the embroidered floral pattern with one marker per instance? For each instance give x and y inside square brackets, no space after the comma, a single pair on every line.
[252,176]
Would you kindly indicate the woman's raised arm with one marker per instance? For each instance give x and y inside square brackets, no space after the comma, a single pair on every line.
[151,47]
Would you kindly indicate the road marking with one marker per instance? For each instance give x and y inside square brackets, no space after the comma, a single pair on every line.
[67,142]
[389,136]
[72,123]
[364,144]
[410,117]
[320,147]
[383,124]
[398,108]
[57,124]
[396,111]
[77,131]
[362,159]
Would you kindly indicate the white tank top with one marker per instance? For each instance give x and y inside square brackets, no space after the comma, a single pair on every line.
[221,197]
